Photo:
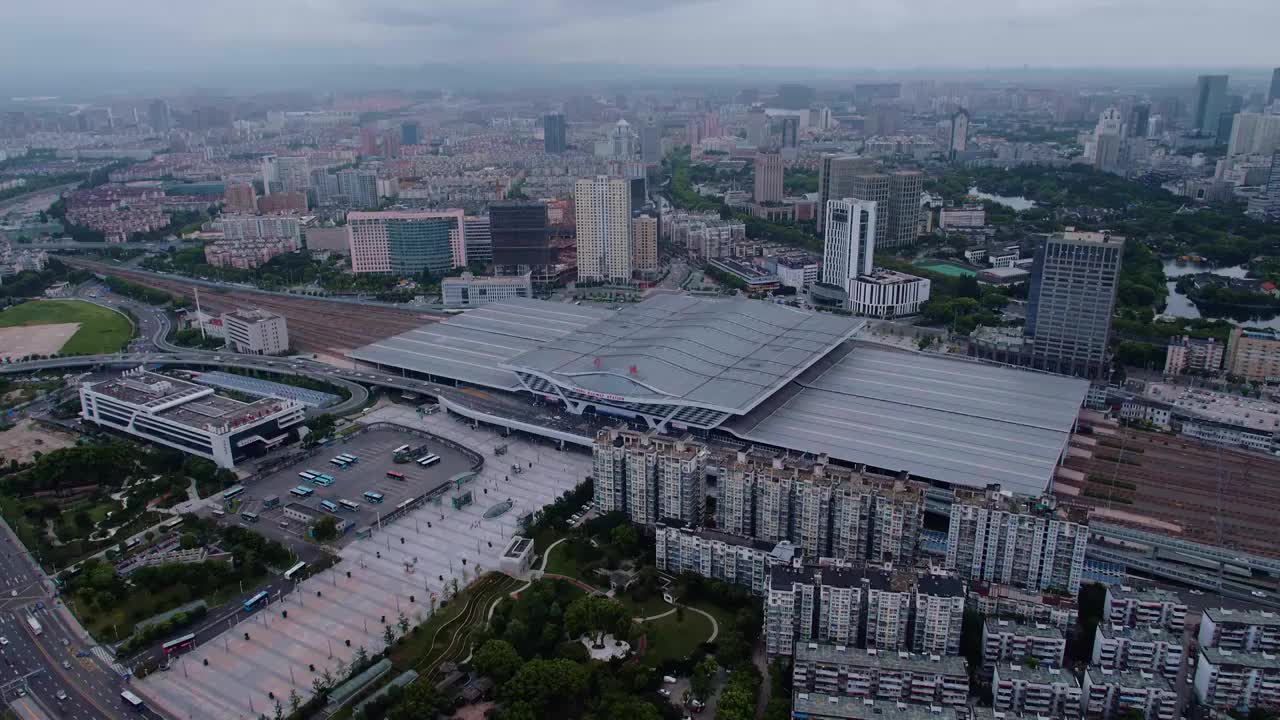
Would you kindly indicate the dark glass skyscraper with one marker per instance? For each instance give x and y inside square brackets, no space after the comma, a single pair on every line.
[1211,102]
[555,138]
[1073,294]
[519,234]
[409,133]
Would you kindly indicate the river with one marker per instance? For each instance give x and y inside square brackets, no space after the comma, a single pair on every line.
[1178,305]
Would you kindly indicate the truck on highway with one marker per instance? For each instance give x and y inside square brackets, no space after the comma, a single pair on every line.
[35,624]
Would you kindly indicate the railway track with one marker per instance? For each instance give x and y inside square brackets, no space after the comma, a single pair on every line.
[314,325]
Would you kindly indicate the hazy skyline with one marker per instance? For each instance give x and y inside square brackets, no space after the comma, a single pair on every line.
[48,39]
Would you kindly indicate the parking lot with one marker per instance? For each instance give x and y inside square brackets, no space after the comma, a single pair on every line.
[369,474]
[406,566]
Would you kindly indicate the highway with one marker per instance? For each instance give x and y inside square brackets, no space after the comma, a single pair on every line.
[60,671]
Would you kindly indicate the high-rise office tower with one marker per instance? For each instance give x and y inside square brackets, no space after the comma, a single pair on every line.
[1073,293]
[1254,134]
[554,133]
[359,187]
[849,245]
[651,143]
[835,180]
[159,116]
[903,212]
[876,187]
[623,141]
[409,133]
[1139,116]
[518,232]
[644,229]
[406,243]
[757,127]
[390,144]
[769,172]
[368,141]
[959,141]
[790,131]
[479,240]
[1211,102]
[1274,95]
[602,213]
[293,174]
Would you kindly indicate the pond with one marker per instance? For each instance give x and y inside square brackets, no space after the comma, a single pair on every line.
[1179,305]
[1018,203]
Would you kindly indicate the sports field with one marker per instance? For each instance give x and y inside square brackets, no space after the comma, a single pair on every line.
[99,330]
[948,269]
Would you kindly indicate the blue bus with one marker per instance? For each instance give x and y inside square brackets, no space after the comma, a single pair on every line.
[252,603]
[324,480]
[307,475]
[339,462]
[331,507]
[373,497]
[301,491]
[233,492]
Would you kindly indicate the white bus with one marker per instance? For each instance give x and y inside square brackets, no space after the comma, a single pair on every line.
[133,701]
[349,457]
[295,571]
[307,475]
[428,460]
[347,504]
[401,449]
[339,462]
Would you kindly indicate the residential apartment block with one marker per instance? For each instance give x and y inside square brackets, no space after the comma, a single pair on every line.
[1232,680]
[937,614]
[1152,650]
[1035,690]
[1145,607]
[1009,642]
[720,556]
[826,510]
[1001,538]
[1254,354]
[1005,601]
[1112,694]
[876,675]
[602,214]
[650,477]
[1240,630]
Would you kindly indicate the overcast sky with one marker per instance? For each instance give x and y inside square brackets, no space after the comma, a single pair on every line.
[64,36]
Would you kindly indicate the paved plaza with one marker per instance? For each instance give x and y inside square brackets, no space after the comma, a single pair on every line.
[403,567]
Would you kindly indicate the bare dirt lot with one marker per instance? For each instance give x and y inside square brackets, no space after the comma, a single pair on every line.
[23,440]
[26,340]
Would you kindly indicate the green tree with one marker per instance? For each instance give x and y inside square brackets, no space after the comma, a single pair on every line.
[420,700]
[595,615]
[549,688]
[188,541]
[703,675]
[497,659]
[326,529]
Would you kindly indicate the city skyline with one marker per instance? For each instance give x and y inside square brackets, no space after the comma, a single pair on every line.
[672,33]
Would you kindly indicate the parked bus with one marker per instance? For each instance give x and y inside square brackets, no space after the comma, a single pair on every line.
[324,480]
[428,460]
[373,497]
[392,474]
[293,572]
[171,524]
[349,505]
[301,491]
[349,457]
[339,462]
[401,449]
[132,701]
[249,516]
[331,507]
[252,603]
[307,475]
[270,501]
[185,642]
[233,492]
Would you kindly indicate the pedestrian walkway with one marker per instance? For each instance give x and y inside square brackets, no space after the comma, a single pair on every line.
[107,658]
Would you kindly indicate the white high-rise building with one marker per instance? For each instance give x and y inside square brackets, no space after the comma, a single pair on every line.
[602,209]
[850,243]
[623,141]
[1254,134]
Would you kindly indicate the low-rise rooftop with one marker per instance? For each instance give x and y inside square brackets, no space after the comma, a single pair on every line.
[870,658]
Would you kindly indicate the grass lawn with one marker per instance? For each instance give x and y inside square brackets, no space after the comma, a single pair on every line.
[101,330]
[561,562]
[644,608]
[672,639]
